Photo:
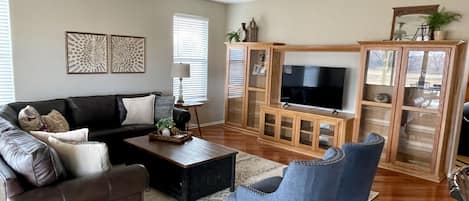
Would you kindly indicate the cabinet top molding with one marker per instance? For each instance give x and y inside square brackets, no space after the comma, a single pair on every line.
[432,42]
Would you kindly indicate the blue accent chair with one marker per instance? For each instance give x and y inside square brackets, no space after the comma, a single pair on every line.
[361,163]
[315,180]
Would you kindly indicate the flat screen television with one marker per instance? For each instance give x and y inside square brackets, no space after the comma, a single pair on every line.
[313,86]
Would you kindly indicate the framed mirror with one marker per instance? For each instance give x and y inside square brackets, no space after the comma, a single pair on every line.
[408,21]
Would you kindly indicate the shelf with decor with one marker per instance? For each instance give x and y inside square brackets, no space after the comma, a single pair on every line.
[404,95]
[248,68]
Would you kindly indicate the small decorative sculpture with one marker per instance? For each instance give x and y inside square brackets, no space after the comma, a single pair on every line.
[252,31]
[383,98]
[244,33]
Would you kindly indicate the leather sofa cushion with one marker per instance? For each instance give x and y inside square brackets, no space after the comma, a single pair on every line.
[120,133]
[9,118]
[93,111]
[120,104]
[43,107]
[38,163]
[11,183]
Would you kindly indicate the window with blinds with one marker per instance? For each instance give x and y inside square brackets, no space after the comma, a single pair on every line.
[190,38]
[7,92]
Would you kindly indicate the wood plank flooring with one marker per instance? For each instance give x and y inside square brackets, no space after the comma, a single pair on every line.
[391,186]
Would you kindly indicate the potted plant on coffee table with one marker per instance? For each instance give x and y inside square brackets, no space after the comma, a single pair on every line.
[165,126]
[439,19]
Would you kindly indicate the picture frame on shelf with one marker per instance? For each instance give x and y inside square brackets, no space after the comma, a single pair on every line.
[409,23]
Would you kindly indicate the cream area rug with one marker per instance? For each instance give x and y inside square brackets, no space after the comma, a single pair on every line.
[249,169]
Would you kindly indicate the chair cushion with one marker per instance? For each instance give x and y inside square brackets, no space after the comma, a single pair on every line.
[93,111]
[268,185]
[38,163]
[43,107]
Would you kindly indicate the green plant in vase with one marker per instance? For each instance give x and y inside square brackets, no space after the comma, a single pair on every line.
[439,19]
[165,126]
[234,36]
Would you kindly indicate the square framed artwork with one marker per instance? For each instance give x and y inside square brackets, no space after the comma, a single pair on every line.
[127,54]
[86,53]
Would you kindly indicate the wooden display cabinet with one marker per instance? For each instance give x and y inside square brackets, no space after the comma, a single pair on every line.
[405,96]
[304,130]
[247,80]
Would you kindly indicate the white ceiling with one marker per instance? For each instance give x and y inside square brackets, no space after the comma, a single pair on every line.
[232,1]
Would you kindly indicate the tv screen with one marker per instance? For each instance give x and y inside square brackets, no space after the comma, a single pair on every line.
[313,85]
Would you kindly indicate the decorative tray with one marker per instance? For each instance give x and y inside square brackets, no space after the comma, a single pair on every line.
[178,138]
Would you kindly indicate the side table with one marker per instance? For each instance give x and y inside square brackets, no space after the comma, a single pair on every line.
[188,105]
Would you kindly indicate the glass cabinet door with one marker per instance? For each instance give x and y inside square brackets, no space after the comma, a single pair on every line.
[424,78]
[235,90]
[416,136]
[236,66]
[257,70]
[269,125]
[327,134]
[255,101]
[380,75]
[286,128]
[306,134]
[375,120]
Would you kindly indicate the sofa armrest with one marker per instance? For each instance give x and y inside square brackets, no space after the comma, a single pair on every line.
[9,183]
[119,183]
[181,117]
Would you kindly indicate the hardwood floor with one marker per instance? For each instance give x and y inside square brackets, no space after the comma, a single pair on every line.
[390,185]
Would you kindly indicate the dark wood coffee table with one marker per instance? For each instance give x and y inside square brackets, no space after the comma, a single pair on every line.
[186,171]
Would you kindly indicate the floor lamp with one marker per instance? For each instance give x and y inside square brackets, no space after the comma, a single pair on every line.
[180,71]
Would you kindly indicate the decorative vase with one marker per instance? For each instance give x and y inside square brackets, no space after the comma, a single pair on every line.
[166,132]
[439,35]
[252,31]
[244,33]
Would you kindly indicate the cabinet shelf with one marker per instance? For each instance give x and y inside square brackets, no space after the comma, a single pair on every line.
[371,103]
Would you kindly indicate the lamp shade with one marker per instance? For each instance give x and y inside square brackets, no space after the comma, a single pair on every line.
[180,70]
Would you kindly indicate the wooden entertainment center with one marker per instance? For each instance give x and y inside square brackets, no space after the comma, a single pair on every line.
[253,101]
[407,93]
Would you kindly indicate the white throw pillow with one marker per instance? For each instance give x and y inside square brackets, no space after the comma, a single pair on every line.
[139,110]
[80,135]
[82,159]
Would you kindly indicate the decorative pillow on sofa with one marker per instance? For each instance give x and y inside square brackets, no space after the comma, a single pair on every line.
[139,110]
[79,135]
[55,122]
[120,104]
[164,106]
[30,119]
[82,159]
[31,158]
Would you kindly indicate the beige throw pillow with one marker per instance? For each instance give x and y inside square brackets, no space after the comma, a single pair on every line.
[82,159]
[139,110]
[30,119]
[55,122]
[80,135]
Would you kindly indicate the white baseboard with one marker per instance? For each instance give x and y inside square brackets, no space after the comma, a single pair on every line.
[192,125]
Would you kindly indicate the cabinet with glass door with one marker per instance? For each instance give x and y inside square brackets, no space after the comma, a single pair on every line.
[257,82]
[405,97]
[235,85]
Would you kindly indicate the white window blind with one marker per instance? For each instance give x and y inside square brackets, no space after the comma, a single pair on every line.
[7,92]
[190,40]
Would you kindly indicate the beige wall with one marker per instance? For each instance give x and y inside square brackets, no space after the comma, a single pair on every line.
[332,21]
[38,29]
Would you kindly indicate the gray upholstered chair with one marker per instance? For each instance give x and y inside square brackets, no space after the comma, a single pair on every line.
[361,163]
[458,184]
[316,180]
